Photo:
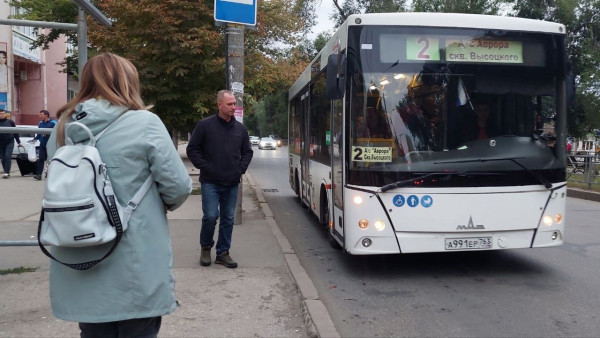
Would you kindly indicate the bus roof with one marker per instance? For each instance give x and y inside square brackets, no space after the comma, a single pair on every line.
[456,20]
[419,19]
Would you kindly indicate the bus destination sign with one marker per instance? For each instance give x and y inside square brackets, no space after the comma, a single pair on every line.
[424,48]
[484,50]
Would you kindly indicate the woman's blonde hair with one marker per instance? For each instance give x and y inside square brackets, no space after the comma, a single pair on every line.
[106,76]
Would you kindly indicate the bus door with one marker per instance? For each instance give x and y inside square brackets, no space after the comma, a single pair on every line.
[305,152]
[336,200]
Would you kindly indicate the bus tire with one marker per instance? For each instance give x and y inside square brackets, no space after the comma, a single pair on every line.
[324,214]
[298,190]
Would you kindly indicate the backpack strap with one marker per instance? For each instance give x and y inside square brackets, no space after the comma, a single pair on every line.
[135,200]
[92,138]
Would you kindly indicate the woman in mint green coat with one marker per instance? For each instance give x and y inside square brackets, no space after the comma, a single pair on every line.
[126,294]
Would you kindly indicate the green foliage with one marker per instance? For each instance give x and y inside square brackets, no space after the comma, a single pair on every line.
[177,49]
[581,19]
[179,52]
[63,11]
[271,114]
[18,270]
[463,6]
[365,6]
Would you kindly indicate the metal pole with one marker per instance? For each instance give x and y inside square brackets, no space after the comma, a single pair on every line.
[42,24]
[81,41]
[235,83]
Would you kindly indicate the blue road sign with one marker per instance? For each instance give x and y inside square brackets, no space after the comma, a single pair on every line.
[236,11]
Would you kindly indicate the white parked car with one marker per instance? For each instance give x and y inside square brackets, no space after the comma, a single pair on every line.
[254,140]
[25,138]
[267,143]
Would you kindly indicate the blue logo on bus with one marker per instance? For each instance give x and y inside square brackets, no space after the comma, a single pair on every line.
[412,201]
[399,200]
[426,201]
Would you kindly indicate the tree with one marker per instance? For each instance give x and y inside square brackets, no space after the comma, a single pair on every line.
[583,49]
[465,6]
[179,51]
[365,6]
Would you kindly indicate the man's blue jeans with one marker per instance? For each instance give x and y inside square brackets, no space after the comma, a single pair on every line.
[218,201]
[6,153]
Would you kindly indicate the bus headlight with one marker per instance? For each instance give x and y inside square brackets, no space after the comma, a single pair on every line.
[357,200]
[379,225]
[550,220]
[558,218]
[363,224]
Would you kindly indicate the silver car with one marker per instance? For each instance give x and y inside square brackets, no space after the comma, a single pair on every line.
[267,143]
[254,140]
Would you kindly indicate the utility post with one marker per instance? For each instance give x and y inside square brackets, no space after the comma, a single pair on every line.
[82,41]
[236,15]
[234,63]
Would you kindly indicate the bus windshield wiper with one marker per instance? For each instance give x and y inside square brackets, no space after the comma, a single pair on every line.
[535,175]
[409,181]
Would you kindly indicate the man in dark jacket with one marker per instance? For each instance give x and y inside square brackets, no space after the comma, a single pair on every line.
[220,148]
[46,122]
[7,143]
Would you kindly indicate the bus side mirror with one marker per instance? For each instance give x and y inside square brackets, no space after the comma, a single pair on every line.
[335,81]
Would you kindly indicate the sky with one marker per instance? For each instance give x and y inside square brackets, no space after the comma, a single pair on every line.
[324,9]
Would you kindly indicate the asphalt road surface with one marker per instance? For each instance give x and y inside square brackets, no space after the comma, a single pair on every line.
[546,292]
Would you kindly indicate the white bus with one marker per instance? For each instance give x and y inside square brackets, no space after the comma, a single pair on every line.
[433,132]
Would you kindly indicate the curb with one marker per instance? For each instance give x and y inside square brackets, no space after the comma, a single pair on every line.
[316,316]
[583,194]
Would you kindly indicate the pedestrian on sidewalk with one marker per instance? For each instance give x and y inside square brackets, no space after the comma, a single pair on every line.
[46,122]
[220,148]
[7,143]
[127,294]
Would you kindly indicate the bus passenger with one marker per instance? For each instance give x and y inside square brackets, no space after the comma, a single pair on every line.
[478,126]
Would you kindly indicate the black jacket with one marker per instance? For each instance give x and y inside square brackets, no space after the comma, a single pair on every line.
[8,138]
[221,150]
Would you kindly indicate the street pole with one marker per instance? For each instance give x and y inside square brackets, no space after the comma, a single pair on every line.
[235,83]
[81,42]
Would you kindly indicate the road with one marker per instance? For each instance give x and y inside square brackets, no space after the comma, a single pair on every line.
[518,293]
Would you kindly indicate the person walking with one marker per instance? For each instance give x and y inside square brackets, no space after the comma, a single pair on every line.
[127,294]
[220,147]
[7,143]
[46,122]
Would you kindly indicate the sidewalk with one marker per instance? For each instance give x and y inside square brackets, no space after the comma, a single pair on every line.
[268,295]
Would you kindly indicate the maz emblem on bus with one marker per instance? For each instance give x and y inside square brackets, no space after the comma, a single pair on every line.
[470,226]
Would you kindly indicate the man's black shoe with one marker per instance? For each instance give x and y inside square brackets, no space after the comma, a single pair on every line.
[226,260]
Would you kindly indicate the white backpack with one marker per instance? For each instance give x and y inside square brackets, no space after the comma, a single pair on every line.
[79,207]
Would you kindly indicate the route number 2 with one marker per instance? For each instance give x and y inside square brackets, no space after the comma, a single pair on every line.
[424,51]
[358,152]
[423,48]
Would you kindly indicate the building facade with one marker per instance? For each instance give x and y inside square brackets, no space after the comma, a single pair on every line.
[30,80]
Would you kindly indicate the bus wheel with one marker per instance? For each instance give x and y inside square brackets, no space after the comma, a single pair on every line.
[299,192]
[324,209]
[297,187]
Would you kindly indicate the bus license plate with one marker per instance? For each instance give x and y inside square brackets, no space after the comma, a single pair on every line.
[468,243]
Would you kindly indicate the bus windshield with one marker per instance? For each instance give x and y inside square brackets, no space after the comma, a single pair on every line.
[425,100]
